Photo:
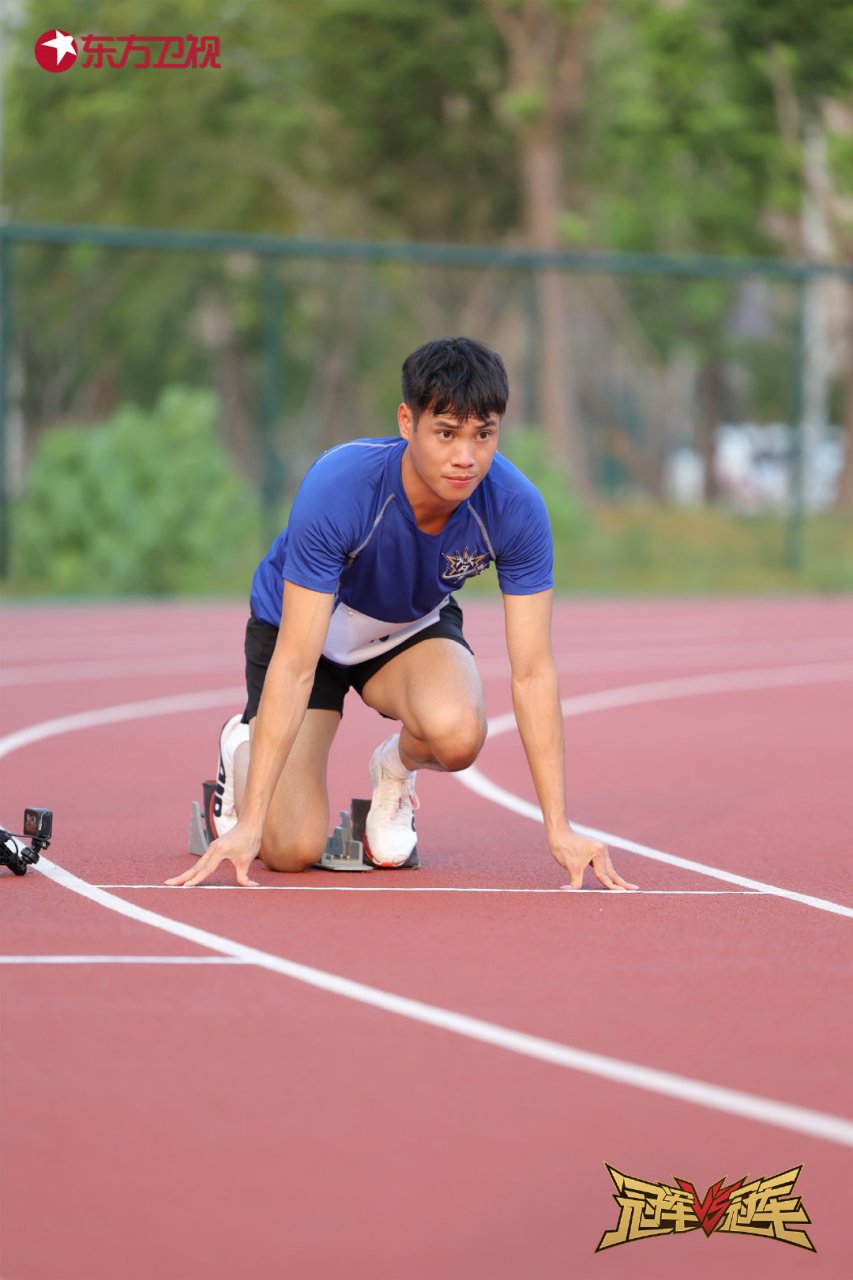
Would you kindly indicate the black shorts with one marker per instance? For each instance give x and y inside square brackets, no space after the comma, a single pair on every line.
[332,682]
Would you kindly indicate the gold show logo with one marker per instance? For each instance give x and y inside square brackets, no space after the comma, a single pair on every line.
[763,1207]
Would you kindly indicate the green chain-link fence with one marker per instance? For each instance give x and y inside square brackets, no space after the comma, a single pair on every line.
[679,380]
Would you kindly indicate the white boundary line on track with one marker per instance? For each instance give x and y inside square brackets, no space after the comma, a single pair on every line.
[122,960]
[816,1124]
[440,888]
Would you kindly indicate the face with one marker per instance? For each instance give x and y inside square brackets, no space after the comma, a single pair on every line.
[448,456]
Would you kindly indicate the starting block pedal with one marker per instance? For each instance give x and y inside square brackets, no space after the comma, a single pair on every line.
[200,836]
[343,851]
[345,846]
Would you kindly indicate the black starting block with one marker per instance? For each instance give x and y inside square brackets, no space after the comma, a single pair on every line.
[15,852]
[344,848]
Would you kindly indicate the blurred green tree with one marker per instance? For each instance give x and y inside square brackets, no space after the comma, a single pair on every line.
[638,125]
[548,44]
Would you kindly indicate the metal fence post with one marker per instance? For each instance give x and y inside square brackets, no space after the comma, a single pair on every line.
[794,523]
[272,394]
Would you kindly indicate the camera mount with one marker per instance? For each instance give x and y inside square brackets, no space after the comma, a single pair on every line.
[15,852]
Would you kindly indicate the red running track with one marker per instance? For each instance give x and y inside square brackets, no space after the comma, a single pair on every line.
[198,1121]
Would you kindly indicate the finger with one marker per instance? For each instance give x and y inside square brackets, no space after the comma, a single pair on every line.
[613,879]
[242,878]
[606,874]
[187,880]
[603,869]
[199,873]
[177,881]
[206,861]
[600,863]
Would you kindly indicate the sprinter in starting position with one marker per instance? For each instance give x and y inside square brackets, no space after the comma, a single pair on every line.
[356,593]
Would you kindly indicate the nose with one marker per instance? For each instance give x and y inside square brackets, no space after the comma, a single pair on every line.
[463,455]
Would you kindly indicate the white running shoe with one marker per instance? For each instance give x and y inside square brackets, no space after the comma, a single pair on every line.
[390,836]
[223,811]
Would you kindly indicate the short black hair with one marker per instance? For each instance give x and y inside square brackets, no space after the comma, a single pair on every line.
[455,375]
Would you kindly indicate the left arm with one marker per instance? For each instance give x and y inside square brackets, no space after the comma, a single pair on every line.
[536,702]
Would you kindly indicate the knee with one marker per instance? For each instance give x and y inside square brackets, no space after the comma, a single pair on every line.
[458,747]
[291,856]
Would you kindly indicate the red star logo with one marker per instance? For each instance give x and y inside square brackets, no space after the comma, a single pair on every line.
[55,51]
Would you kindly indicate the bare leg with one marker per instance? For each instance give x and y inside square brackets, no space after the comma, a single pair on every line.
[298,818]
[435,689]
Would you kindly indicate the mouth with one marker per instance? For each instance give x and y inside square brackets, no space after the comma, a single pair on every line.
[460,482]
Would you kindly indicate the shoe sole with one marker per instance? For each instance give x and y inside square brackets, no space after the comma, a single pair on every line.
[412,862]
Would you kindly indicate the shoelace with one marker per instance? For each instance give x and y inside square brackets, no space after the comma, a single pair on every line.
[395,796]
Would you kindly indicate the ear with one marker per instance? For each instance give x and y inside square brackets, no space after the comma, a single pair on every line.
[405,420]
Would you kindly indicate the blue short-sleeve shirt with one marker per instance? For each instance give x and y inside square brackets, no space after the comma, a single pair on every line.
[352,533]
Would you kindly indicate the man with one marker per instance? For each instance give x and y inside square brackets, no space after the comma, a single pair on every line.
[356,592]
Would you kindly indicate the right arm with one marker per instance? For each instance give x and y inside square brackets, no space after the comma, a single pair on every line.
[287,688]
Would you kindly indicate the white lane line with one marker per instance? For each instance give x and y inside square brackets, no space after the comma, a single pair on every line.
[114,669]
[661,691]
[633,658]
[632,695]
[122,960]
[817,1124]
[420,888]
[488,790]
[236,695]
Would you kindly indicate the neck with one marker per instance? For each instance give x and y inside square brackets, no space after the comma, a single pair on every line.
[431,512]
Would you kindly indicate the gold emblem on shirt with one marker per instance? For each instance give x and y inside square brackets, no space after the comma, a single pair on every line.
[464,564]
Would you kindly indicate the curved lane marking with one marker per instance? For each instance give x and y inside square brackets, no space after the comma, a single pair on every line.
[663,691]
[632,695]
[123,711]
[817,1124]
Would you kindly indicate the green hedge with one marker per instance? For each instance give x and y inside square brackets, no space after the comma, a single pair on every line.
[145,503]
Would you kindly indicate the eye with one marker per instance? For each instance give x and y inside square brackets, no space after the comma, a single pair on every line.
[445,434]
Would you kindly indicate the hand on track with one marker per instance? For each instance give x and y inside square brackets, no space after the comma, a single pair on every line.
[575,853]
[235,846]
